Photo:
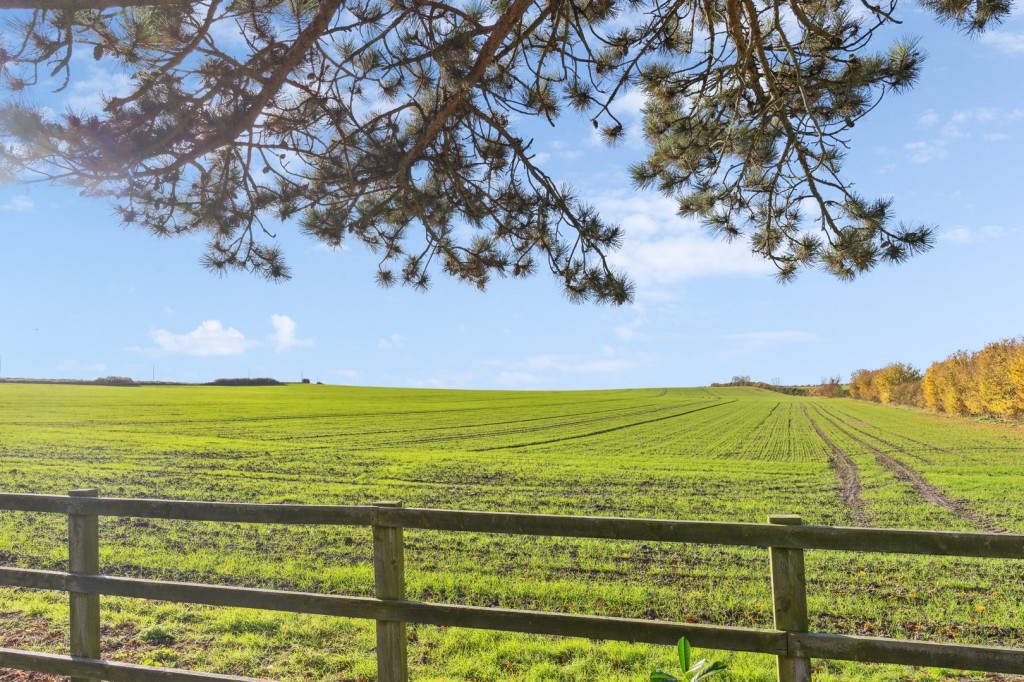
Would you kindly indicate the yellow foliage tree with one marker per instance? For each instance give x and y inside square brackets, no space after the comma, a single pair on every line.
[986,382]
[862,385]
[898,383]
[995,389]
[931,386]
[1017,374]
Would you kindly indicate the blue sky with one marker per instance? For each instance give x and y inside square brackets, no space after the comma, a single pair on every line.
[82,297]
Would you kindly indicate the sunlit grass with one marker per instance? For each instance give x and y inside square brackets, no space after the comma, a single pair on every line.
[722,454]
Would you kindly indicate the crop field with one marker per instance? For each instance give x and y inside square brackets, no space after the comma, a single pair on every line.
[716,454]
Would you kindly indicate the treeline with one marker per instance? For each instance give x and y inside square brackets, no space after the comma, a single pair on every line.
[895,384]
[115,381]
[829,388]
[257,381]
[988,382]
[746,381]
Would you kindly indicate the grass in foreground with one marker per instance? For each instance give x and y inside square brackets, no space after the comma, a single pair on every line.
[721,454]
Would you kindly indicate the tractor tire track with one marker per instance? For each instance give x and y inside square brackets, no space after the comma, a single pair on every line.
[836,414]
[848,475]
[929,492]
[602,431]
[765,418]
[890,432]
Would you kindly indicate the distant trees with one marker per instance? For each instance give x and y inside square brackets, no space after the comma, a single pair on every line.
[743,380]
[115,381]
[832,387]
[895,384]
[862,385]
[255,381]
[899,384]
[986,382]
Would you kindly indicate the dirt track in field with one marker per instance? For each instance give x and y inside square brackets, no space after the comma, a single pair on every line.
[928,492]
[848,421]
[848,474]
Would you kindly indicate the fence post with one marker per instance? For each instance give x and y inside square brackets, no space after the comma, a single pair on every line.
[389,579]
[84,557]
[789,600]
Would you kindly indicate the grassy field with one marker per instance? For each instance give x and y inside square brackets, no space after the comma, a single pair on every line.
[721,454]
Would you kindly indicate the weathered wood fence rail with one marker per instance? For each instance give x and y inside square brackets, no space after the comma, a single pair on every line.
[784,536]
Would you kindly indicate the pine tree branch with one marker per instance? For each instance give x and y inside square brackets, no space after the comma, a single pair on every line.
[77,5]
[316,28]
[501,30]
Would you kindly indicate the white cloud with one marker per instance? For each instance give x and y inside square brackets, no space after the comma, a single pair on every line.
[451,380]
[564,151]
[393,342]
[284,339]
[628,109]
[18,203]
[662,250]
[925,151]
[959,126]
[228,34]
[207,340]
[625,332]
[517,379]
[1008,43]
[983,114]
[631,105]
[966,235]
[87,95]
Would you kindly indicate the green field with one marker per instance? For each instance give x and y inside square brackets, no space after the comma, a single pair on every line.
[721,454]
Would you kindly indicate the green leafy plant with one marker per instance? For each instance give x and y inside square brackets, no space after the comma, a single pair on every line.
[700,670]
[156,635]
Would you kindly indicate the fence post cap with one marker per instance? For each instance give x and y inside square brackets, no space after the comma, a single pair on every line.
[785,519]
[85,492]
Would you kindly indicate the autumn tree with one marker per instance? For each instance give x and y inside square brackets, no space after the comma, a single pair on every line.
[862,385]
[946,384]
[393,123]
[831,387]
[985,382]
[899,383]
[997,369]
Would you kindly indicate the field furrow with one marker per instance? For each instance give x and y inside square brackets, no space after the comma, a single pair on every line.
[735,454]
[848,474]
[601,432]
[928,492]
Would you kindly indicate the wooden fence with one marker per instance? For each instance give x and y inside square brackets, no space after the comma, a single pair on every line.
[784,536]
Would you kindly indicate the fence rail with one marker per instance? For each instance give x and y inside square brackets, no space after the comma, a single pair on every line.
[784,536]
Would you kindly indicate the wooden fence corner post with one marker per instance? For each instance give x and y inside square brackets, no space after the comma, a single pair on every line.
[84,558]
[789,600]
[389,579]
